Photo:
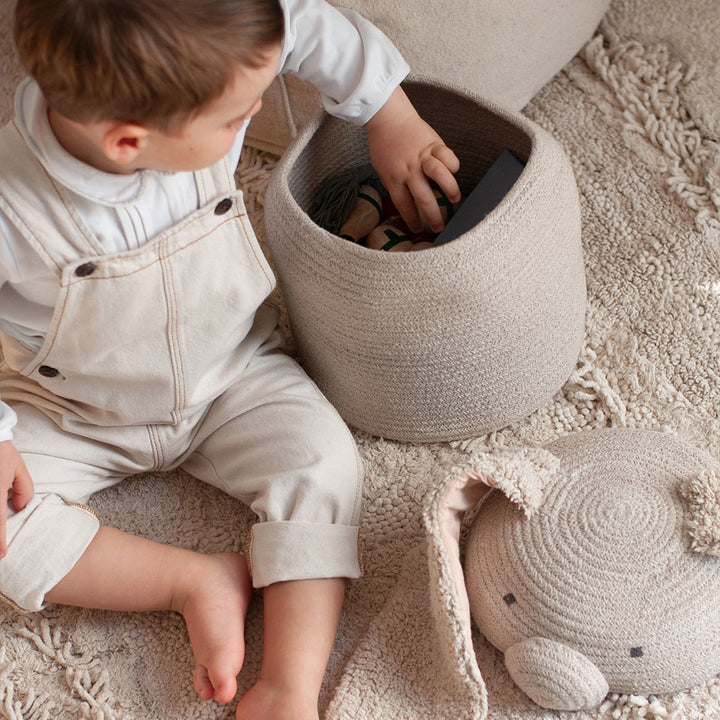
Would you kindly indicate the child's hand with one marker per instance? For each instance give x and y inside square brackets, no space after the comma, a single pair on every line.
[405,151]
[13,476]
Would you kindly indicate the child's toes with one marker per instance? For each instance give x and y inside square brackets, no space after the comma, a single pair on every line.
[224,682]
[201,683]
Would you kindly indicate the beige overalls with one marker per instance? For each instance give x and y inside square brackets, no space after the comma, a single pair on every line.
[164,357]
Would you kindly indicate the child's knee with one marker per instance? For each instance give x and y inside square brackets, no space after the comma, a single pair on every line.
[337,485]
[310,529]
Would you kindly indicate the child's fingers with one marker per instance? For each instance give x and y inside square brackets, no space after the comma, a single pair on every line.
[403,200]
[446,156]
[426,202]
[23,489]
[436,170]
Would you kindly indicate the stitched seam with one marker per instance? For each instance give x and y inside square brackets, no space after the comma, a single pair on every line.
[257,253]
[82,506]
[13,604]
[287,106]
[157,449]
[360,482]
[71,211]
[162,456]
[173,336]
[17,220]
[232,185]
[178,355]
[177,229]
[153,446]
[248,551]
[159,259]
[200,180]
[38,360]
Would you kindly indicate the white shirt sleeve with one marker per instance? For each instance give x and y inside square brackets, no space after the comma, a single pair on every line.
[350,61]
[8,420]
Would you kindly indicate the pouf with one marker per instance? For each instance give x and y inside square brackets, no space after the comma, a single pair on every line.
[504,51]
[449,342]
[594,567]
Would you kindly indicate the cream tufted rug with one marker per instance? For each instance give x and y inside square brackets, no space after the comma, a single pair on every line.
[638,112]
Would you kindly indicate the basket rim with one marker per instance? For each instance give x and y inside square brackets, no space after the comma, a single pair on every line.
[542,144]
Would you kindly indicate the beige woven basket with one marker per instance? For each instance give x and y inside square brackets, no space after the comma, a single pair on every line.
[449,342]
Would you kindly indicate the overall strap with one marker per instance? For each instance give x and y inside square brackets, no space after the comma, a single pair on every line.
[216,180]
[40,207]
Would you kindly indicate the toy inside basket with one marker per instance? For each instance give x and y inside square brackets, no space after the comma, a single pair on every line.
[452,341]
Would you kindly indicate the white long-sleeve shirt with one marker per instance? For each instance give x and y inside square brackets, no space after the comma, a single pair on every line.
[348,59]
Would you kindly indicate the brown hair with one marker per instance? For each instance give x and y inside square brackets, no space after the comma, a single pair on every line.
[154,62]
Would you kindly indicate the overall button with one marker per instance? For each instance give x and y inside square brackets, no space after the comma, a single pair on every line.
[85,269]
[223,206]
[48,372]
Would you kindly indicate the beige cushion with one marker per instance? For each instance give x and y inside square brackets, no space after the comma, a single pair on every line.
[503,51]
[451,341]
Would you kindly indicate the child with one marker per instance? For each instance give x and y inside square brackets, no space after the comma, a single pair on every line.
[133,326]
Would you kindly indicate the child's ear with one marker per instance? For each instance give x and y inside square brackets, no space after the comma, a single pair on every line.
[123,142]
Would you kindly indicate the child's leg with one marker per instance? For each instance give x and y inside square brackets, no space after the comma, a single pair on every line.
[119,571]
[58,552]
[301,618]
[277,444]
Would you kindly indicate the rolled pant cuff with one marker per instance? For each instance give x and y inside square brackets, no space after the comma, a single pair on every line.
[288,550]
[44,550]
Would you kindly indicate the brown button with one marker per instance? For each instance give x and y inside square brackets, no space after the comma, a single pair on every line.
[85,269]
[223,206]
[48,372]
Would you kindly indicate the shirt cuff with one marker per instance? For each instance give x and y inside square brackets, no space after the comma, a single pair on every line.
[8,420]
[347,58]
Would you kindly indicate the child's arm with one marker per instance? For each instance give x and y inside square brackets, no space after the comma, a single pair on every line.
[358,72]
[405,151]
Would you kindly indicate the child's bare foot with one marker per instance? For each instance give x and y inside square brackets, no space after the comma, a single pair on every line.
[265,701]
[214,605]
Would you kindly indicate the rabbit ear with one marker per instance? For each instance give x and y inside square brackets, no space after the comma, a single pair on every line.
[520,475]
[702,521]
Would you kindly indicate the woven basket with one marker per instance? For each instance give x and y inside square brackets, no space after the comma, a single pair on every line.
[449,342]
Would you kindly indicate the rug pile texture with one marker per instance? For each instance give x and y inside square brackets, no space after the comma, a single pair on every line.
[638,113]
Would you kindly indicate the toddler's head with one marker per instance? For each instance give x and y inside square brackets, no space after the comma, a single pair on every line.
[151,62]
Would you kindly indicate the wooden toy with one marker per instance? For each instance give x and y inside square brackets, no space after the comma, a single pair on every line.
[389,238]
[354,203]
[364,216]
[337,195]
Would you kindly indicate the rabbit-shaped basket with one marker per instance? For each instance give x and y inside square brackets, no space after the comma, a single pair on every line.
[593,566]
